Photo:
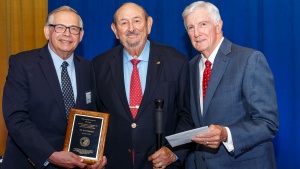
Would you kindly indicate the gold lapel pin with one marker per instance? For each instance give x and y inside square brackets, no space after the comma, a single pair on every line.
[158,62]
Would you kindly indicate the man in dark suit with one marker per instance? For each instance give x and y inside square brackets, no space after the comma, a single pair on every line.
[239,104]
[33,101]
[163,73]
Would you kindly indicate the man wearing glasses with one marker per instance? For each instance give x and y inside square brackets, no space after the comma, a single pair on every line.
[41,87]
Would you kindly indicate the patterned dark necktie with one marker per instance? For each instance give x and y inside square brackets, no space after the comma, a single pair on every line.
[206,77]
[135,89]
[67,90]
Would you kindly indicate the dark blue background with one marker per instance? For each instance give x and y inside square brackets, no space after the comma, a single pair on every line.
[271,26]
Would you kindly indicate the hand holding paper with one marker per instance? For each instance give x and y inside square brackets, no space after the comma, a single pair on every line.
[186,136]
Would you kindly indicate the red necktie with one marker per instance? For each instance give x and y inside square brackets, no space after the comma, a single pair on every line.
[206,77]
[135,89]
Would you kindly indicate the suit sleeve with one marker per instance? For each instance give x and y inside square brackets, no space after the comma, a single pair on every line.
[16,112]
[185,121]
[183,101]
[261,104]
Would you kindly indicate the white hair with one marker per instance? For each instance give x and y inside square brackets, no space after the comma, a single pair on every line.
[209,7]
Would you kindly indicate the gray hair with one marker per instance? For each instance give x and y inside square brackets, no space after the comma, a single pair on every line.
[50,16]
[209,7]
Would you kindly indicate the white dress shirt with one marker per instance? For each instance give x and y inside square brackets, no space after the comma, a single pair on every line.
[71,69]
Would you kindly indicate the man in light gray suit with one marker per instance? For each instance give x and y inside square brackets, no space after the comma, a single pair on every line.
[239,104]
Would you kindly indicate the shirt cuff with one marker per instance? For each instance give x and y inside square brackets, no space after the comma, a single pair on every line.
[229,143]
[46,163]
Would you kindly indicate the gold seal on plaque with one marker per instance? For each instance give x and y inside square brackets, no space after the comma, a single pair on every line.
[84,141]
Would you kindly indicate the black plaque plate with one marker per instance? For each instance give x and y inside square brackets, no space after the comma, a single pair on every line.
[86,133]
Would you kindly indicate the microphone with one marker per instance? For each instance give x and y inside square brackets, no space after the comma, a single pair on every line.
[159,105]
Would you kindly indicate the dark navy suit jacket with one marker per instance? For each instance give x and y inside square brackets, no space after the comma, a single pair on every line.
[167,78]
[34,110]
[240,95]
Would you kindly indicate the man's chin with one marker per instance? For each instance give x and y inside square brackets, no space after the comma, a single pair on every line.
[133,45]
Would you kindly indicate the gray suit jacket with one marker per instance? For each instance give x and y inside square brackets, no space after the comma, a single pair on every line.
[240,95]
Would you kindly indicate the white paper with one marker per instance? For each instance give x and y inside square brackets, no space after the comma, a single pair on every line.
[186,136]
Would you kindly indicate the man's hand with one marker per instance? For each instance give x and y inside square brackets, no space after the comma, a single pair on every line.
[216,135]
[99,164]
[66,159]
[162,158]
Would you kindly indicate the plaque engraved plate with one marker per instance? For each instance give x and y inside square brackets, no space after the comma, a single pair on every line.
[86,134]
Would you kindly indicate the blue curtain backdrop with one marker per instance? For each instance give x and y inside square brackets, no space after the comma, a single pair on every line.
[271,26]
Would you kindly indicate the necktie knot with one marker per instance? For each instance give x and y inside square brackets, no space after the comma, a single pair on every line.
[64,64]
[208,64]
[134,61]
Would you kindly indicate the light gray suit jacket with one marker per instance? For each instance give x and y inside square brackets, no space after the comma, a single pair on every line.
[240,95]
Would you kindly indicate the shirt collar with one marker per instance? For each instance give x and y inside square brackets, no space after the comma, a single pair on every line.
[144,56]
[213,55]
[58,60]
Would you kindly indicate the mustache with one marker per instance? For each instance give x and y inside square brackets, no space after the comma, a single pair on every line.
[129,33]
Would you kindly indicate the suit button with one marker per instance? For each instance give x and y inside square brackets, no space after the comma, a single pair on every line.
[133,125]
[129,151]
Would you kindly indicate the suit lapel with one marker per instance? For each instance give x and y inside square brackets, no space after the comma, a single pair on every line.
[155,64]
[116,65]
[79,81]
[219,66]
[49,72]
[195,88]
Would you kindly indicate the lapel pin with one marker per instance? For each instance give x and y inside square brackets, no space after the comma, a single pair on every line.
[158,62]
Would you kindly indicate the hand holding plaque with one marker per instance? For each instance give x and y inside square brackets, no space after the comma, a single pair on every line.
[86,134]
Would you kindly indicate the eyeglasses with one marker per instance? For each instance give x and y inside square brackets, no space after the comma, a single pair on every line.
[59,28]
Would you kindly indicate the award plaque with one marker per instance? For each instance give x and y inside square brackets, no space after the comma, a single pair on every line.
[86,134]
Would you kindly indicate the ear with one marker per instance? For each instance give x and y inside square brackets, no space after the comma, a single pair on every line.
[47,31]
[114,29]
[149,24]
[81,34]
[219,26]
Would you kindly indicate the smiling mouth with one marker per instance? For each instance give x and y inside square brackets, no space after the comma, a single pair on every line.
[65,41]
[200,40]
[131,36]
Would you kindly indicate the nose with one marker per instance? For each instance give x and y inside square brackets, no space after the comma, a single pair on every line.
[131,27]
[197,32]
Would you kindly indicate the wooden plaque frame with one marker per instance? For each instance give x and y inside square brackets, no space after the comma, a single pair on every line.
[86,134]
